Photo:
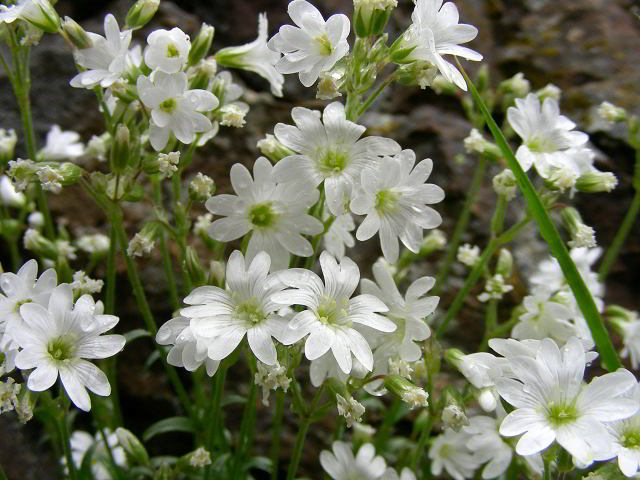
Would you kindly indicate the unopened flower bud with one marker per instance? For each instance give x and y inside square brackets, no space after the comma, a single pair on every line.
[494,289]
[201,187]
[271,148]
[454,417]
[487,399]
[82,283]
[120,149]
[406,391]
[9,196]
[35,220]
[202,224]
[199,458]
[329,84]
[125,91]
[75,34]
[505,263]
[50,179]
[435,240]
[35,242]
[371,16]
[271,377]
[194,267]
[581,235]
[8,140]
[201,74]
[140,13]
[201,45]
[515,87]
[217,272]
[22,172]
[41,14]
[549,91]
[350,409]
[168,163]
[611,113]
[96,244]
[468,254]
[561,179]
[233,114]
[143,242]
[595,182]
[505,184]
[132,446]
[476,143]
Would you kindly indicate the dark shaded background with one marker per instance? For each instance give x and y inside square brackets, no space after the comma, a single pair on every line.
[589,48]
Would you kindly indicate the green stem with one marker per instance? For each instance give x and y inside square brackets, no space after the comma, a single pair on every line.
[491,319]
[166,257]
[477,271]
[145,310]
[301,436]
[385,430]
[276,429]
[367,103]
[216,430]
[622,233]
[461,225]
[64,435]
[422,443]
[550,234]
[247,430]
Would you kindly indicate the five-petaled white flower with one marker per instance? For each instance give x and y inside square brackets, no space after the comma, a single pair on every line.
[449,451]
[174,108]
[255,57]
[435,32]
[342,465]
[394,198]
[246,307]
[332,315]
[314,46]
[168,50]
[625,439]
[546,135]
[552,402]
[330,151]
[61,145]
[274,213]
[106,60]
[58,340]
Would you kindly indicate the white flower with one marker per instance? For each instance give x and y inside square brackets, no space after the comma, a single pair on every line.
[105,61]
[584,236]
[50,179]
[405,474]
[449,451]
[174,108]
[246,307]
[83,283]
[326,366]
[546,135]
[331,312]
[57,340]
[474,142]
[330,151]
[9,196]
[487,446]
[552,402]
[339,236]
[97,147]
[544,318]
[140,245]
[630,331]
[81,442]
[505,184]
[9,391]
[255,57]
[408,313]
[611,113]
[351,409]
[232,114]
[435,32]
[454,417]
[65,249]
[494,289]
[468,254]
[202,224]
[394,198]
[549,91]
[314,46]
[168,163]
[625,437]
[415,397]
[271,377]
[202,186]
[167,50]
[342,465]
[8,140]
[188,350]
[199,458]
[61,145]
[274,213]
[96,243]
[35,220]
[40,13]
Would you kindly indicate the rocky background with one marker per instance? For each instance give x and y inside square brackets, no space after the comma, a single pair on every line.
[588,48]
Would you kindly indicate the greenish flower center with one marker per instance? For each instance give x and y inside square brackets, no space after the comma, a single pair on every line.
[540,145]
[250,311]
[385,201]
[262,215]
[334,161]
[323,44]
[61,348]
[332,312]
[169,105]
[631,439]
[561,414]
[20,303]
[172,50]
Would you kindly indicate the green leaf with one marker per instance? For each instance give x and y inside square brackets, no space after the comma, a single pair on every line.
[551,236]
[171,424]
[136,334]
[261,463]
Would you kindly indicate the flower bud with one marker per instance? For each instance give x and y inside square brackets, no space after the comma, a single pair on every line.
[419,73]
[271,148]
[232,114]
[371,16]
[611,113]
[199,458]
[512,88]
[202,74]
[140,13]
[581,235]
[454,416]
[406,391]
[143,242]
[505,263]
[505,184]
[329,84]
[487,399]
[22,172]
[10,228]
[468,254]
[549,91]
[41,14]
[362,433]
[350,409]
[134,449]
[435,240]
[494,288]
[125,91]
[9,196]
[217,272]
[96,244]
[35,242]
[201,45]
[194,267]
[476,143]
[120,149]
[36,220]
[596,182]
[201,188]
[8,140]
[75,34]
